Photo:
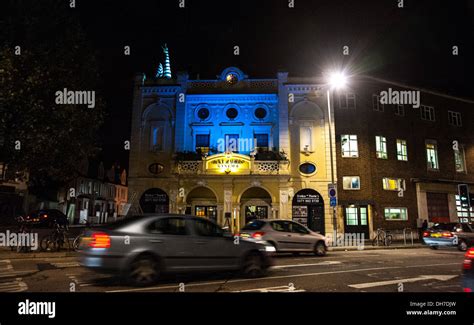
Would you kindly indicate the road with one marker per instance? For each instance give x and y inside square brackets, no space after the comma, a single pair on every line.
[408,270]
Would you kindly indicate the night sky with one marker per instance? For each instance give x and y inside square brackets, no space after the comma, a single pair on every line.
[411,45]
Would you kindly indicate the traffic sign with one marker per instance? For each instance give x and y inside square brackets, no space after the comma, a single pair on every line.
[463,190]
[332,195]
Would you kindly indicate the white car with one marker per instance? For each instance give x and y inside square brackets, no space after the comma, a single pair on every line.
[286,236]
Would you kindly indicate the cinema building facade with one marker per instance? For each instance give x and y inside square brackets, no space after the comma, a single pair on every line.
[233,149]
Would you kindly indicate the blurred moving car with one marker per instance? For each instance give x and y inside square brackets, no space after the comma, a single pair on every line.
[142,248]
[46,218]
[460,235]
[286,236]
[468,271]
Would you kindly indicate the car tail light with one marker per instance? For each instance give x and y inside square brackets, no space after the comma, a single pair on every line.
[447,234]
[426,234]
[470,253]
[258,234]
[467,290]
[100,240]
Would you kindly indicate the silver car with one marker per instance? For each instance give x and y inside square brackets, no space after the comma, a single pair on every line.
[142,248]
[286,236]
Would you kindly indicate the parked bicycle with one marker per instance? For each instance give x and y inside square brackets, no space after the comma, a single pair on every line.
[56,240]
[382,237]
[23,228]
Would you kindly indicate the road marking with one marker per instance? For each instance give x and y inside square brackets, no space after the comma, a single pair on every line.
[273,289]
[303,265]
[13,286]
[389,282]
[280,277]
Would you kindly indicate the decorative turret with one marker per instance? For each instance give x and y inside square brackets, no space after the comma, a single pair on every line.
[167,72]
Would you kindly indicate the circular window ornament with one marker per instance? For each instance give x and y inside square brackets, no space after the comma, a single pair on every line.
[307,169]
[232,113]
[231,78]
[156,168]
[203,113]
[260,113]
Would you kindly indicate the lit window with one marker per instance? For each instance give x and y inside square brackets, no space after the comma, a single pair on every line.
[351,182]
[399,110]
[460,160]
[393,184]
[377,106]
[396,214]
[427,113]
[463,213]
[347,101]
[306,138]
[432,155]
[402,153]
[349,145]
[351,217]
[381,147]
[454,118]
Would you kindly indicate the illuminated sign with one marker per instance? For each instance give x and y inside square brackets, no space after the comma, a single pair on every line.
[228,163]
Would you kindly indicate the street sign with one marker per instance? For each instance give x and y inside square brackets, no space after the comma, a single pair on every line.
[332,195]
[463,190]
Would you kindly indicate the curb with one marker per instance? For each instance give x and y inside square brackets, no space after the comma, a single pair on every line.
[14,255]
[368,248]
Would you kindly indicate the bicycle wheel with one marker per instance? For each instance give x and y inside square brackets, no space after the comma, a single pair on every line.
[388,240]
[76,242]
[375,241]
[47,243]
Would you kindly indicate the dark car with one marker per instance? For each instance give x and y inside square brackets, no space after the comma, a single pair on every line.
[468,271]
[46,218]
[142,248]
[458,235]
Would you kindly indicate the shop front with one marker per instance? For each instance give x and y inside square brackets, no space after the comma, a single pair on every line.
[308,209]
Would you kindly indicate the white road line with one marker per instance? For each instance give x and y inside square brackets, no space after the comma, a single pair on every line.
[389,282]
[66,264]
[281,277]
[273,289]
[303,265]
[13,286]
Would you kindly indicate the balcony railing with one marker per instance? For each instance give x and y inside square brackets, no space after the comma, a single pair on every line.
[257,167]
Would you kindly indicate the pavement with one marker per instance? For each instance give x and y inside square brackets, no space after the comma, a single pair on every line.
[373,269]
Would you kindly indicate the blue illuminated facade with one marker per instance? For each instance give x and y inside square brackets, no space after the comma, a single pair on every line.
[231,149]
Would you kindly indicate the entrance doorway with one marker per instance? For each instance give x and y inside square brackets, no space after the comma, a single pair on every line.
[202,202]
[155,200]
[255,204]
[308,209]
[356,220]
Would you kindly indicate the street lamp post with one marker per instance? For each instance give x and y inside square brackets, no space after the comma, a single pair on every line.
[336,80]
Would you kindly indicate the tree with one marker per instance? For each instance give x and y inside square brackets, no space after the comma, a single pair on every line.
[53,139]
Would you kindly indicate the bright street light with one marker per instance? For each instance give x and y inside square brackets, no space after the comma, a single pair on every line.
[337,80]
